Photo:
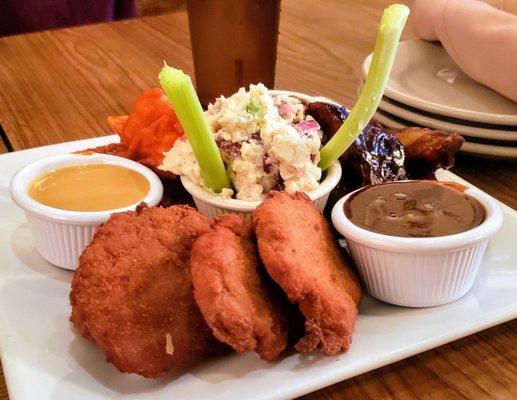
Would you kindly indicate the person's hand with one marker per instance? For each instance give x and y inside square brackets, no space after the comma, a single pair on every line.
[480,38]
[423,15]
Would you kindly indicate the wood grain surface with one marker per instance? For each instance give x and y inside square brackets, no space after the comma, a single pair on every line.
[3,387]
[61,85]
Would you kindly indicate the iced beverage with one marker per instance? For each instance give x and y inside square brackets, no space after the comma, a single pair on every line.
[233,43]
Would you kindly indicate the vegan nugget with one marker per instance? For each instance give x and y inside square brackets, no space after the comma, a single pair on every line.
[232,292]
[301,255]
[132,292]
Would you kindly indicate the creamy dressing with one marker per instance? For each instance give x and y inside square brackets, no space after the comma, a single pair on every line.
[89,187]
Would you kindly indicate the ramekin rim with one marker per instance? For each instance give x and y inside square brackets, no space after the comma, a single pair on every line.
[243,205]
[485,230]
[326,186]
[18,187]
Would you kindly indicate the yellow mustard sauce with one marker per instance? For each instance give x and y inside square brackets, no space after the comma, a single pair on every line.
[89,187]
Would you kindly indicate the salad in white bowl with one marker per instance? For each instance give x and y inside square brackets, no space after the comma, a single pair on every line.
[266,140]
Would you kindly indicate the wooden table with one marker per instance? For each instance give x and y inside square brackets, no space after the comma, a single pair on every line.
[60,85]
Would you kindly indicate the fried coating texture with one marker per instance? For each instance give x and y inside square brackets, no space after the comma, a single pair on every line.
[301,255]
[232,291]
[132,292]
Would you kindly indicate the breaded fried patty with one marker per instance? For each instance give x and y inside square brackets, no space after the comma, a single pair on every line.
[132,292]
[301,255]
[232,292]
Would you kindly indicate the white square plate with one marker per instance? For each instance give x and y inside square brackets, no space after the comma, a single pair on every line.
[44,358]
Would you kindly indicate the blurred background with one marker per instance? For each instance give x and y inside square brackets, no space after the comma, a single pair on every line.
[156,7]
[23,16]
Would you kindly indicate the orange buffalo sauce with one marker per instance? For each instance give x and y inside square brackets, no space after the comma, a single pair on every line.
[90,187]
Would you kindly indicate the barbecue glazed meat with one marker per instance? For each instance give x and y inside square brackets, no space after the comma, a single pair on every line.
[427,150]
[376,156]
[329,116]
[380,154]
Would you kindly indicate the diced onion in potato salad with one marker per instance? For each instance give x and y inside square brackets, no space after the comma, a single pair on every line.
[266,140]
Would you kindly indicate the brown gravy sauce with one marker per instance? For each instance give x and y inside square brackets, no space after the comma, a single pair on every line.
[414,209]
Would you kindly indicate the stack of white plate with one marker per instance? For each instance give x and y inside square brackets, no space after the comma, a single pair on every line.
[426,88]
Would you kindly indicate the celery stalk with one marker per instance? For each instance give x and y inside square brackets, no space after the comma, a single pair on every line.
[390,29]
[181,93]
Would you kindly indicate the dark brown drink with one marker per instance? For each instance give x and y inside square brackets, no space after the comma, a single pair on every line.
[233,43]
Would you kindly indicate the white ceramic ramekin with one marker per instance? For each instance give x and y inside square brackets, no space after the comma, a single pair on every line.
[419,272]
[60,236]
[212,205]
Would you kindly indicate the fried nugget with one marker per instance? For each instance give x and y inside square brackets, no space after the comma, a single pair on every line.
[301,255]
[232,292]
[132,292]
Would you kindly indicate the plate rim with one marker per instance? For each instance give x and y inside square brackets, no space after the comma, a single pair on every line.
[467,147]
[497,317]
[439,109]
[472,131]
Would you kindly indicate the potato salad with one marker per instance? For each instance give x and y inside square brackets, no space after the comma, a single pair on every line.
[266,140]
